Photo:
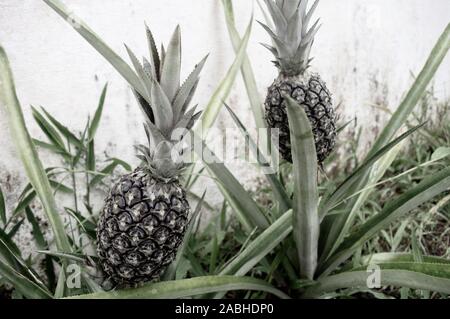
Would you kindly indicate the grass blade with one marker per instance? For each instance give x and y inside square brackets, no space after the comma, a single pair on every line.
[260,246]
[421,193]
[25,286]
[41,244]
[49,131]
[64,130]
[2,207]
[28,154]
[336,229]
[413,96]
[343,189]
[306,222]
[98,114]
[108,170]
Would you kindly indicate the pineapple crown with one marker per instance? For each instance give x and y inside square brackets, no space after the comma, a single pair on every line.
[291,38]
[165,105]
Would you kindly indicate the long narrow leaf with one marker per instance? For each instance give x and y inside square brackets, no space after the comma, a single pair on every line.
[25,286]
[98,114]
[97,43]
[171,271]
[413,96]
[426,276]
[306,222]
[2,207]
[395,123]
[421,193]
[250,208]
[246,68]
[278,189]
[212,109]
[64,130]
[188,287]
[28,154]
[260,246]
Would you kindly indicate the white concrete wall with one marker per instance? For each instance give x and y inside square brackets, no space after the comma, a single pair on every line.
[365,51]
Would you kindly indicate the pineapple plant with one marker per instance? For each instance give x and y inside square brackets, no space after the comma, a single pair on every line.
[146,212]
[291,46]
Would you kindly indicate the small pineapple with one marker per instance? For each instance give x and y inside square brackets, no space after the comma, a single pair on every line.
[146,212]
[291,46]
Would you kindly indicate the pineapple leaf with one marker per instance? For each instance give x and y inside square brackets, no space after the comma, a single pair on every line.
[415,275]
[186,118]
[187,90]
[163,57]
[188,287]
[293,28]
[383,258]
[289,7]
[271,49]
[154,135]
[97,43]
[435,58]
[193,119]
[277,187]
[145,107]
[309,36]
[249,212]
[154,56]
[279,43]
[162,109]
[143,76]
[306,222]
[308,17]
[170,75]
[260,246]
[277,17]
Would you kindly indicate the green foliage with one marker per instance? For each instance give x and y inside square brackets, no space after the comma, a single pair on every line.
[312,238]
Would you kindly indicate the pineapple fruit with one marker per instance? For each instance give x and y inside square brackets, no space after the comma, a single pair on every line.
[291,46]
[146,212]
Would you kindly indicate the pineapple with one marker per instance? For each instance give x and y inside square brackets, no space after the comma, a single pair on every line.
[291,46]
[146,212]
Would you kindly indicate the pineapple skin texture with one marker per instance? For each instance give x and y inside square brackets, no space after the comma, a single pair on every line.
[312,94]
[140,228]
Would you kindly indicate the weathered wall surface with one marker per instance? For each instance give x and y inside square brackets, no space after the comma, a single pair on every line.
[365,51]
